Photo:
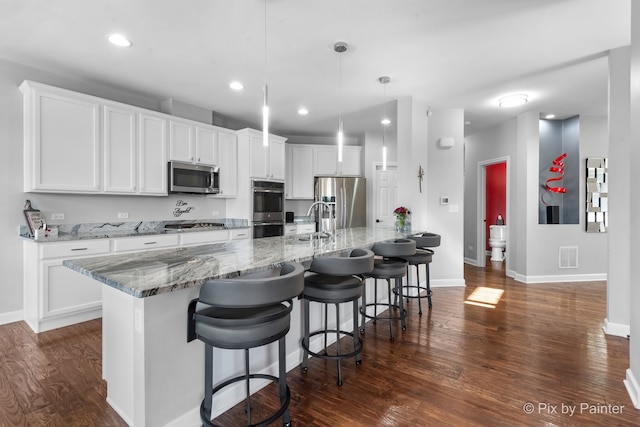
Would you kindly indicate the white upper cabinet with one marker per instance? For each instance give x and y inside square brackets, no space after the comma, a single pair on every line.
[266,162]
[325,161]
[190,142]
[61,140]
[75,143]
[119,156]
[228,162]
[299,183]
[152,155]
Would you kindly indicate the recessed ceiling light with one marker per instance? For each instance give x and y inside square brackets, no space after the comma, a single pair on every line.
[513,100]
[385,121]
[303,111]
[236,85]
[119,40]
[550,116]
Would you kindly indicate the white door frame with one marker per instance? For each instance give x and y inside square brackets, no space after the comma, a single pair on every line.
[481,181]
[374,196]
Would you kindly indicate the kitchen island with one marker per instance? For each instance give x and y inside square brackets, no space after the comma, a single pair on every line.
[154,377]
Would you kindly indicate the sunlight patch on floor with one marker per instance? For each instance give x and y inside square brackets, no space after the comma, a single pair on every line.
[484,297]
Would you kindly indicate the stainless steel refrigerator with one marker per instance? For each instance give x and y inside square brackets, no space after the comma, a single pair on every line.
[347,198]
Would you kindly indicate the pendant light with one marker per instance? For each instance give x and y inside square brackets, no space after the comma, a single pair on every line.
[265,99]
[340,47]
[385,120]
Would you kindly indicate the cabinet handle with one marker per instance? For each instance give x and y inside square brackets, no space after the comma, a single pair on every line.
[150,243]
[79,249]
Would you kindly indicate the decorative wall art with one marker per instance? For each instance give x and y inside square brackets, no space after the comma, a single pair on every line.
[597,216]
[559,171]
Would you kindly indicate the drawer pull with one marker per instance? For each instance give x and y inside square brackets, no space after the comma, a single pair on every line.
[79,249]
[150,243]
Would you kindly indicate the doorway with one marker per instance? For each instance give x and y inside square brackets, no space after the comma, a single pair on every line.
[385,194]
[484,218]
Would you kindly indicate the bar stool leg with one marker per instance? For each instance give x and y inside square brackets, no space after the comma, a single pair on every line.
[428,285]
[282,379]
[247,385]
[418,282]
[338,344]
[390,308]
[356,338]
[305,325]
[363,309]
[208,379]
[326,325]
[403,317]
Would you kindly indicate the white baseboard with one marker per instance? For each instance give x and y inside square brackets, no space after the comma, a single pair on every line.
[10,317]
[561,278]
[633,388]
[616,329]
[471,261]
[447,283]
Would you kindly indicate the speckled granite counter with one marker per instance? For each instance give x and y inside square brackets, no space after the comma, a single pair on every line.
[154,376]
[150,273]
[108,230]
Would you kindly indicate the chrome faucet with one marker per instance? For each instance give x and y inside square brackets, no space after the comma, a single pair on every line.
[326,205]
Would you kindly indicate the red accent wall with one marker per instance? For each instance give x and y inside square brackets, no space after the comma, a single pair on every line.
[496,200]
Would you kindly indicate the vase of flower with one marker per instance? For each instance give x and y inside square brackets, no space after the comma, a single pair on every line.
[402,219]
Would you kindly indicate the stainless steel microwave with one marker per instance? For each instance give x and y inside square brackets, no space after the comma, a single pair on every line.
[193,178]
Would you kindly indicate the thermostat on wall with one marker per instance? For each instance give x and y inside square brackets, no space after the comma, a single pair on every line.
[444,200]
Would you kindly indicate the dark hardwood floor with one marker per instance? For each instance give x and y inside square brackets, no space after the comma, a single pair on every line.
[531,360]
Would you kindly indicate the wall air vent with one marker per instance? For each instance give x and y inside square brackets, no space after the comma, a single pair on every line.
[568,257]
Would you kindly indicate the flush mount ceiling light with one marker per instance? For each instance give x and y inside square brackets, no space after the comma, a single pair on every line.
[236,85]
[513,100]
[119,40]
[303,111]
[550,116]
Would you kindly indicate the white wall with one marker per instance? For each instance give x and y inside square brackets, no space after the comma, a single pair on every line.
[533,247]
[633,373]
[617,320]
[77,208]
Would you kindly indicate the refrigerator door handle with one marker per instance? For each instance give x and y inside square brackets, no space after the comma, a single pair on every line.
[344,208]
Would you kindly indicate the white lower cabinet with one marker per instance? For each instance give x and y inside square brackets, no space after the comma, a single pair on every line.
[305,228]
[290,230]
[54,295]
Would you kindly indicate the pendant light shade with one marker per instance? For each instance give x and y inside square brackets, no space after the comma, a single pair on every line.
[340,48]
[265,117]
[265,99]
[385,120]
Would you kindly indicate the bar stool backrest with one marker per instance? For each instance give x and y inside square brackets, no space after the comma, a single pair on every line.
[359,261]
[254,292]
[426,240]
[395,248]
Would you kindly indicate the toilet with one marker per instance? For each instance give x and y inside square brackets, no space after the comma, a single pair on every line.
[497,241]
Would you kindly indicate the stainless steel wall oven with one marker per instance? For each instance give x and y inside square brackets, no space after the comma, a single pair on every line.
[268,208]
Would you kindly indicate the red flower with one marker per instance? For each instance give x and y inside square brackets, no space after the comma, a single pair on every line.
[402,211]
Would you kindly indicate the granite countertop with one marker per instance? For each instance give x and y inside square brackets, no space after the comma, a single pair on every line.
[109,230]
[148,273]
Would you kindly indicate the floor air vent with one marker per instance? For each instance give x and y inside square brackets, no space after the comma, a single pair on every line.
[568,257]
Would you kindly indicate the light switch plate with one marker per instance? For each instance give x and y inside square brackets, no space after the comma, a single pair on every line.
[123,215]
[444,200]
[57,216]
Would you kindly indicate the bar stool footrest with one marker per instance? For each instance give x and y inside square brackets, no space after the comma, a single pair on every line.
[206,417]
[355,352]
[428,293]
[376,317]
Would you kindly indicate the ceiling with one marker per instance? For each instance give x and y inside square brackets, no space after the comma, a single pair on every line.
[461,54]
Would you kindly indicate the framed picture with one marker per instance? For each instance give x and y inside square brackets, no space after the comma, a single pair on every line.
[35,220]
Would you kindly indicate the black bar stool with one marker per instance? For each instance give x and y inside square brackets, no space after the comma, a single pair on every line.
[389,265]
[243,313]
[424,256]
[335,280]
